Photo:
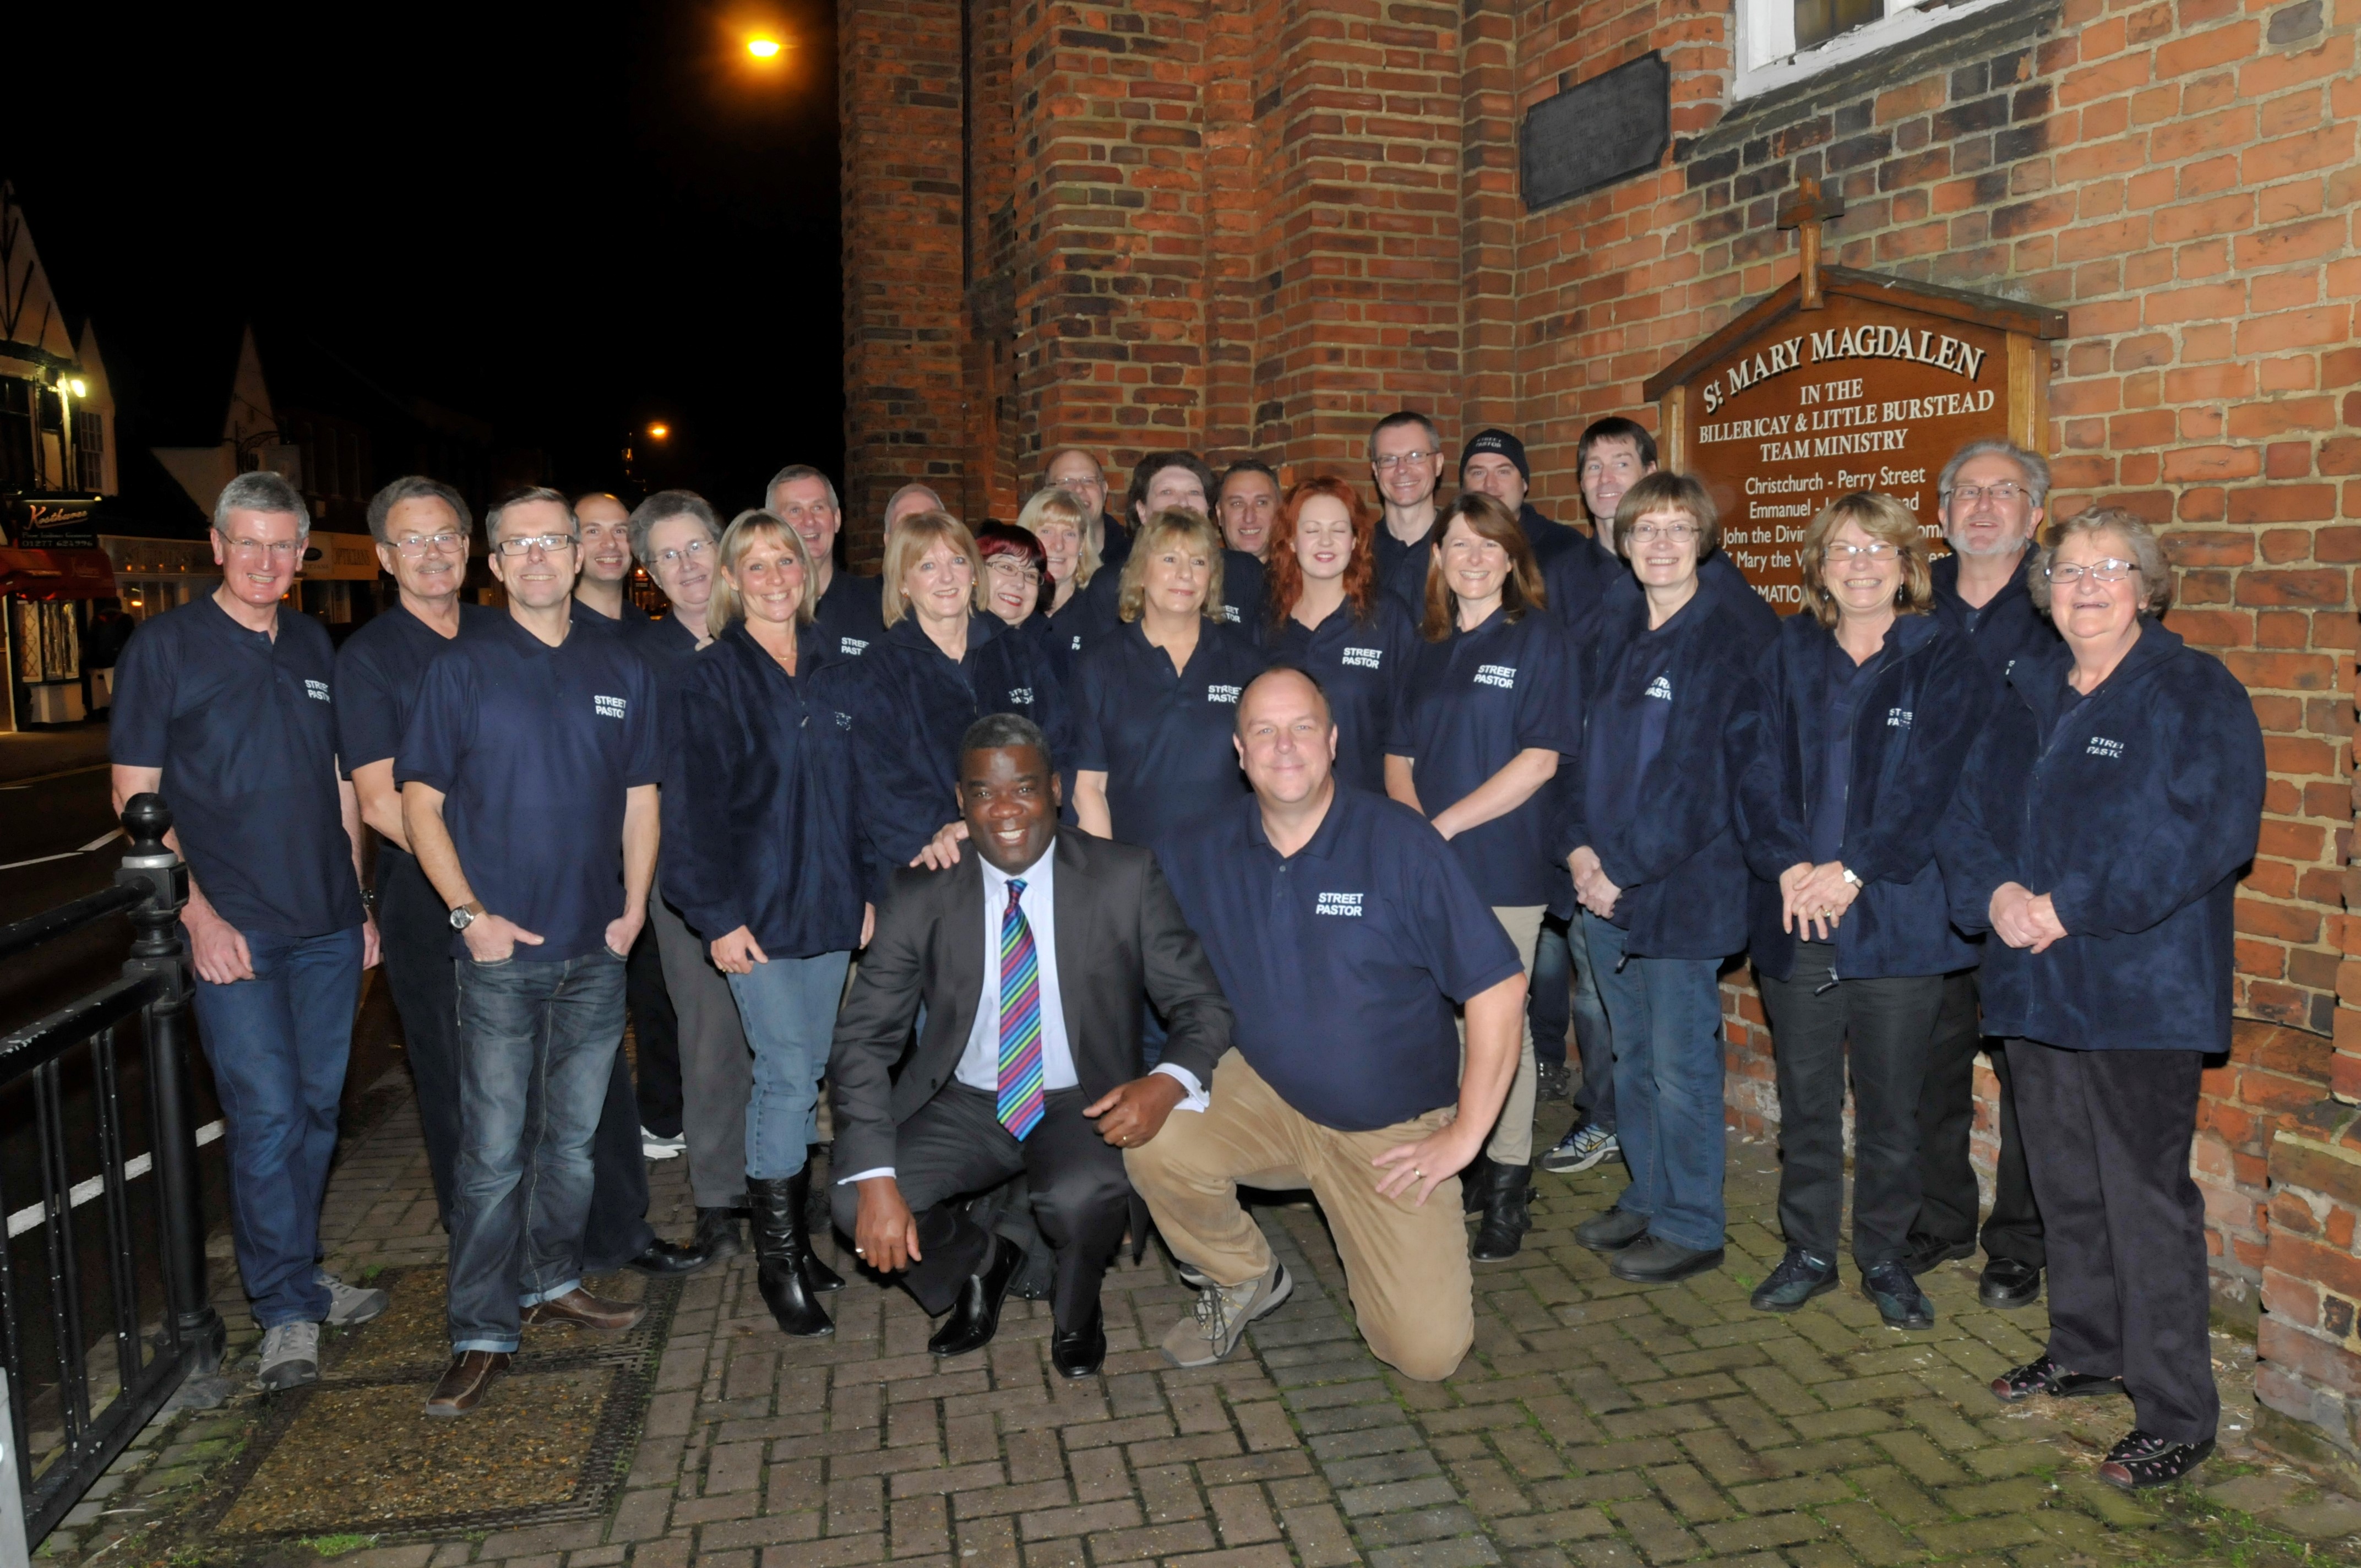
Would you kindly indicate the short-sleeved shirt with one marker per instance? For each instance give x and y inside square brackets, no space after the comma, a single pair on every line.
[1471,703]
[1162,738]
[243,727]
[533,749]
[378,673]
[1360,663]
[852,612]
[1341,961]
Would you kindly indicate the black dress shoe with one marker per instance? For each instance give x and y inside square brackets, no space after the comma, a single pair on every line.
[1611,1232]
[1081,1353]
[717,1234]
[1653,1260]
[1928,1252]
[977,1317]
[661,1258]
[2043,1375]
[2007,1283]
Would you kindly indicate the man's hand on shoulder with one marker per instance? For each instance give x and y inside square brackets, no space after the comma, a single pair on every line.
[885,1234]
[1131,1114]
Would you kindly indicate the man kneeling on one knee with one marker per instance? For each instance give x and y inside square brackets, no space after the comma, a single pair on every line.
[1343,929]
[1031,957]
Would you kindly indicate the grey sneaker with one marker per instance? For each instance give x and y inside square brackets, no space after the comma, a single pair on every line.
[1584,1145]
[1223,1312]
[351,1304]
[291,1355]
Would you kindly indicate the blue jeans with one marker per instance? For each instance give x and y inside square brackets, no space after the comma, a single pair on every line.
[537,1044]
[789,1006]
[278,1044]
[1666,1014]
[1593,1037]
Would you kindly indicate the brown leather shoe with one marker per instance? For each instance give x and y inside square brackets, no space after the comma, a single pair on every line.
[580,1309]
[464,1380]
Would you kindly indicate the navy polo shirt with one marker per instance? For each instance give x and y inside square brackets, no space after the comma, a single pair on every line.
[667,640]
[378,673]
[1473,702]
[1361,663]
[533,749]
[1163,739]
[1342,961]
[244,725]
[852,614]
[1391,552]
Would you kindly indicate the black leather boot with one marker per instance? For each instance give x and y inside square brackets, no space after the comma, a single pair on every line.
[717,1234]
[1507,1216]
[781,1243]
[817,1276]
[1475,1184]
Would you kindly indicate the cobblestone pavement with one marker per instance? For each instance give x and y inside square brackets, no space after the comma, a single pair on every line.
[1595,1423]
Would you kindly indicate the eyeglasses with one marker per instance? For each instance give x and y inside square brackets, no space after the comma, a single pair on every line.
[418,544]
[819,511]
[1009,566]
[2109,570]
[1391,460]
[551,544]
[1670,532]
[695,550]
[2002,493]
[1880,551]
[276,549]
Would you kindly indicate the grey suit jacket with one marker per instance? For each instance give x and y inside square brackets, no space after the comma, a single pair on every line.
[1120,936]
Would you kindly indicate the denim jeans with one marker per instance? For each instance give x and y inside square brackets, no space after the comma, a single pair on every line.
[789,1006]
[1595,1101]
[278,1044]
[1665,1015]
[537,1044]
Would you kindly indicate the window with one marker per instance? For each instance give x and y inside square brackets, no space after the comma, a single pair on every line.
[16,434]
[1784,41]
[89,448]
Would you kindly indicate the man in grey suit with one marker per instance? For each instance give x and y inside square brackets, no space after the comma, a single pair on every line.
[1031,957]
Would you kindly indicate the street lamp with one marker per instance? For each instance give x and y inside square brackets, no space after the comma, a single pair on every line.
[763,48]
[659,432]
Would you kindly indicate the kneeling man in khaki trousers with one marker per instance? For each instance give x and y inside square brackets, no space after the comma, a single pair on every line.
[1343,931]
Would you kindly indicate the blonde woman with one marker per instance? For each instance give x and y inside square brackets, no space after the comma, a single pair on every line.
[1852,738]
[1157,701]
[944,663]
[763,857]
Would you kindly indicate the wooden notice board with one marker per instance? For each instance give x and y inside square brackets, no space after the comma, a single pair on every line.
[1840,381]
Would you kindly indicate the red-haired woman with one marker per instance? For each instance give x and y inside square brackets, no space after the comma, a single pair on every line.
[1330,619]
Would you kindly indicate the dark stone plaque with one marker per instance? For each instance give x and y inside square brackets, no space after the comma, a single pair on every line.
[1608,128]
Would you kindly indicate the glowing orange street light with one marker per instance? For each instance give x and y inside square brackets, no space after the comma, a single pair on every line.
[659,432]
[763,48]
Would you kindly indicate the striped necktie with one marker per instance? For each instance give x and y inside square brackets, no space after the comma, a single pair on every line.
[1020,1108]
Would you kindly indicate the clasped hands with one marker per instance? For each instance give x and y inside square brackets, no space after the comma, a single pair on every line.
[2022,920]
[885,1233]
[1813,899]
[1591,887]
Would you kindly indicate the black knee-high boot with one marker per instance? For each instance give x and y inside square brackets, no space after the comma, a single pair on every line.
[781,1245]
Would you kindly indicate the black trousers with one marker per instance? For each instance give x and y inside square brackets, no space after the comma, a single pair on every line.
[414,936]
[954,1146]
[1884,1027]
[1947,1115]
[2106,1139]
[617,1230]
[656,1034]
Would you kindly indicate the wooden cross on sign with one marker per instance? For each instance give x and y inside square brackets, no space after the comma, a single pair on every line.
[1809,212]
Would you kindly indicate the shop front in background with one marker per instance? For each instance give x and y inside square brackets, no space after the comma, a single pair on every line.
[62,627]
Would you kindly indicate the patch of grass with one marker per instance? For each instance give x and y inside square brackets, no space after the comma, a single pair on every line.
[337,1545]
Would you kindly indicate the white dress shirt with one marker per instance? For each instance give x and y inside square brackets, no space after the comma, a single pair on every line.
[979,1065]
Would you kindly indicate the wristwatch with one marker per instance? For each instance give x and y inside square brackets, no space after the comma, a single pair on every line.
[465,916]
[1853,877]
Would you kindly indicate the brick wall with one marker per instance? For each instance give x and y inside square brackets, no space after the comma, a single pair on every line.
[1258,223]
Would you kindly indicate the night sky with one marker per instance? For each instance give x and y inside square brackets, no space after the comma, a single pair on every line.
[568,221]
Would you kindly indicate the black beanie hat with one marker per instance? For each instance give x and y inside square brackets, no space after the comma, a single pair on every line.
[1502,441]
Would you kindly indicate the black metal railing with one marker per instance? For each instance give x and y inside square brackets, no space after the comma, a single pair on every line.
[126,1285]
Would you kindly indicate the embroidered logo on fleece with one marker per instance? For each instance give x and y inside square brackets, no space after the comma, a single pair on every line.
[318,692]
[609,707]
[1660,688]
[2101,746]
[1345,906]
[1501,676]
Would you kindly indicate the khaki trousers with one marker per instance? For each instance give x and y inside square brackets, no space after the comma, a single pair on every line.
[1512,1135]
[1405,1264]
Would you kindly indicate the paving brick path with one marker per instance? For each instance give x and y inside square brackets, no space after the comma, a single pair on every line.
[1596,1422]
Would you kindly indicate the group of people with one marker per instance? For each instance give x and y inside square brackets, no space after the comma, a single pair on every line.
[1236,834]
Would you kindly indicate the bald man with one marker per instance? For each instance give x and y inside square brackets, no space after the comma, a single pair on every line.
[1076,471]
[605,525]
